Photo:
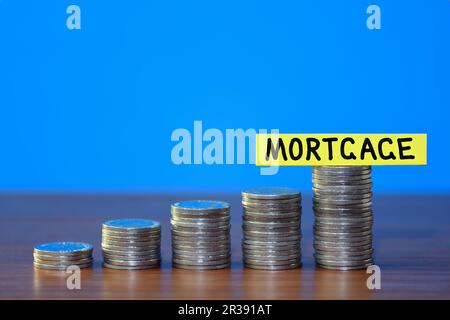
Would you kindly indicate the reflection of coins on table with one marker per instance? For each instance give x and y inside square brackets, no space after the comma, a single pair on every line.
[131,244]
[200,234]
[61,255]
[271,227]
[342,206]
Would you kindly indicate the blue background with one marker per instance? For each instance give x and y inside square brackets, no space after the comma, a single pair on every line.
[94,109]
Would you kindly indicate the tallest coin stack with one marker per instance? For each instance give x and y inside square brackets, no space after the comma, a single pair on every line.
[343,217]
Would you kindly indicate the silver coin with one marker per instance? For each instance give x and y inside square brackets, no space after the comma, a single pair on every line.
[200,257]
[275,262]
[270,218]
[131,224]
[59,268]
[201,246]
[342,257]
[270,193]
[202,267]
[345,253]
[341,175]
[343,178]
[341,192]
[279,203]
[343,263]
[272,252]
[200,226]
[139,250]
[341,172]
[126,255]
[266,246]
[63,261]
[125,242]
[201,220]
[273,268]
[319,195]
[199,240]
[197,244]
[273,238]
[141,267]
[361,248]
[131,245]
[200,253]
[271,257]
[343,187]
[272,215]
[337,215]
[342,202]
[131,239]
[191,262]
[272,229]
[325,220]
[342,233]
[363,266]
[130,248]
[341,245]
[200,206]
[64,248]
[150,259]
[200,235]
[270,225]
[344,227]
[131,263]
[324,205]
[341,182]
[62,257]
[325,211]
[341,168]
[339,239]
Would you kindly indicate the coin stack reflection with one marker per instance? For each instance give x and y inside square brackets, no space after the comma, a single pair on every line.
[342,207]
[131,244]
[200,234]
[61,255]
[272,228]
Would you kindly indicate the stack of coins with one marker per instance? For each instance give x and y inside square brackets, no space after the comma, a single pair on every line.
[61,255]
[272,228]
[201,234]
[131,244]
[343,217]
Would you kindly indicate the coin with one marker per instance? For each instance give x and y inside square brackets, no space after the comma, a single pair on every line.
[342,205]
[271,223]
[60,255]
[269,267]
[200,234]
[139,267]
[131,244]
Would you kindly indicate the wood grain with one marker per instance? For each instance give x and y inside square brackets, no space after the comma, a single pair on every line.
[412,248]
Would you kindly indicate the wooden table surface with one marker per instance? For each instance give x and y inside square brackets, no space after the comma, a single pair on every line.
[411,241]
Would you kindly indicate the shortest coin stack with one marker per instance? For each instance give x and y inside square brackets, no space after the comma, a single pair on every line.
[201,234]
[271,226]
[131,244]
[60,255]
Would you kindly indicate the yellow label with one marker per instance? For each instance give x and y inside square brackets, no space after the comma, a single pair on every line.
[340,149]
